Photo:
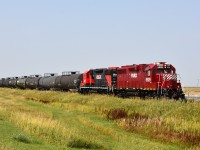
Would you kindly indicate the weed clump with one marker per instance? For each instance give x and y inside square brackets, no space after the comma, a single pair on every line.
[116,113]
[138,116]
[22,138]
[81,143]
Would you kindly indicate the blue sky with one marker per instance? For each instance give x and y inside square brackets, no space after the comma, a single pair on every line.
[53,36]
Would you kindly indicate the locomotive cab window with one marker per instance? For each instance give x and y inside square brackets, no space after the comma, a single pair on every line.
[166,70]
[148,73]
[163,71]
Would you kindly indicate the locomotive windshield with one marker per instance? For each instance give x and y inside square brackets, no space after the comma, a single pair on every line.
[164,70]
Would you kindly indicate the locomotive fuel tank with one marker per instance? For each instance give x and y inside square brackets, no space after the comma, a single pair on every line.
[21,82]
[48,81]
[68,80]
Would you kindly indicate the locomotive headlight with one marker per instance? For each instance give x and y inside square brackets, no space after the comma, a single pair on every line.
[160,66]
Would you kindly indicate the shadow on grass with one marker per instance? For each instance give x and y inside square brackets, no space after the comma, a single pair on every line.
[81,143]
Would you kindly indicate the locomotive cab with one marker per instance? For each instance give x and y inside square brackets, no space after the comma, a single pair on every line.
[87,79]
[100,80]
[165,77]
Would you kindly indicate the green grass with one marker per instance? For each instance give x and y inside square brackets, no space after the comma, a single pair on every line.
[12,138]
[73,121]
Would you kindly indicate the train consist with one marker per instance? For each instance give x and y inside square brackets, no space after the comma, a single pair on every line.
[143,80]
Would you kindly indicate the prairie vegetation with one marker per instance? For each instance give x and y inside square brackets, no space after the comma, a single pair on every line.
[70,120]
[192,91]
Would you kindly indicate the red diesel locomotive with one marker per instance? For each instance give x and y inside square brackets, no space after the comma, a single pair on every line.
[152,80]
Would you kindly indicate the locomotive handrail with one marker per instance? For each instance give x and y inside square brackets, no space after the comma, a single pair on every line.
[158,84]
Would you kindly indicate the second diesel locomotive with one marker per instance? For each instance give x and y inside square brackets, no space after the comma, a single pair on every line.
[152,80]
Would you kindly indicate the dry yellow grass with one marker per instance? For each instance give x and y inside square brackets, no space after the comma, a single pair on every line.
[37,123]
[5,147]
[192,91]
[161,119]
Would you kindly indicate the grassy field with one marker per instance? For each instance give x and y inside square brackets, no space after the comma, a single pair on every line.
[192,91]
[31,119]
